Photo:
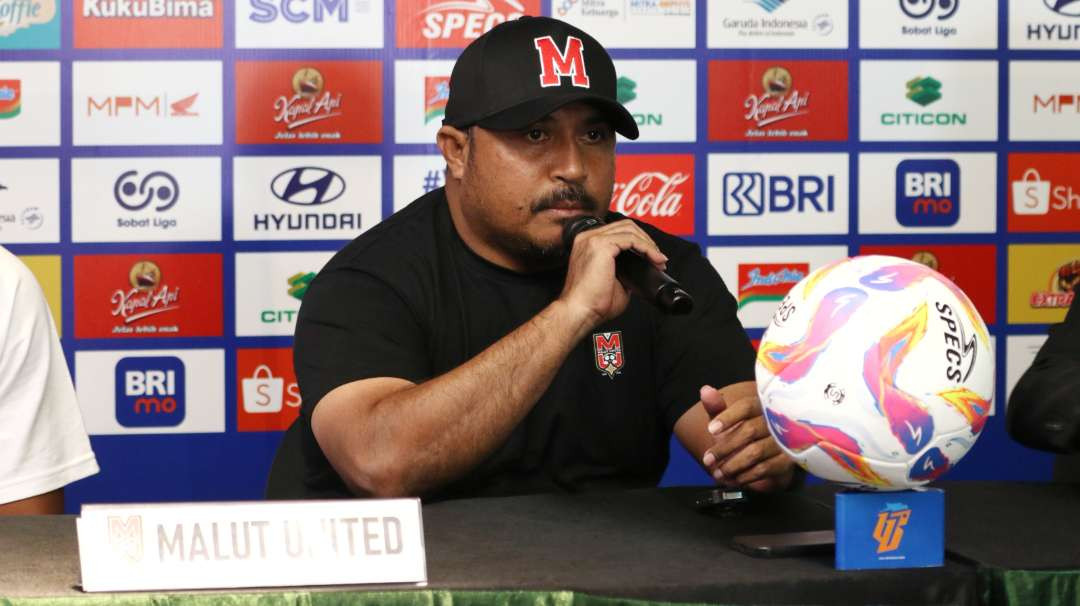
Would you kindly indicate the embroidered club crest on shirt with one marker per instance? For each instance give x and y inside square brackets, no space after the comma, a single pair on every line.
[608,353]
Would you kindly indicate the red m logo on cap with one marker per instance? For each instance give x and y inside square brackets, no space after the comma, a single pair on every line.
[556,64]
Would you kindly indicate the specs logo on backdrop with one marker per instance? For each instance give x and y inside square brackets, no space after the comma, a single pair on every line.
[322,10]
[308,186]
[1069,8]
[920,9]
[923,91]
[1056,104]
[889,530]
[754,193]
[21,14]
[150,391]
[157,106]
[927,193]
[768,281]
[657,189]
[454,23]
[133,193]
[10,98]
[1061,288]
[154,9]
[436,95]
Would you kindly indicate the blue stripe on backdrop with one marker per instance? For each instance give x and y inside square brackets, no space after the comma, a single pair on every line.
[233,465]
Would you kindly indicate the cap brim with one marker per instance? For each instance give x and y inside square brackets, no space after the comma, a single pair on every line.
[528,112]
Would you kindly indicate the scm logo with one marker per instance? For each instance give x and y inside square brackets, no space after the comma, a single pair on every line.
[150,391]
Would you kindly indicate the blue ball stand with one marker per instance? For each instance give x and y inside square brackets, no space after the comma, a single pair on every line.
[904,529]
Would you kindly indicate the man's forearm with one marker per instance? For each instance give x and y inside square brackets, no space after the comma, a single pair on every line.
[425,436]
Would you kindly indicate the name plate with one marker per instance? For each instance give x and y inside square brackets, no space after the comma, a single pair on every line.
[251,544]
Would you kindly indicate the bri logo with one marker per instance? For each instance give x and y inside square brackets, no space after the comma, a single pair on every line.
[889,530]
[927,193]
[150,391]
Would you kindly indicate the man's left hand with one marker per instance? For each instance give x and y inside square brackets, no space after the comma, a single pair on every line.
[743,453]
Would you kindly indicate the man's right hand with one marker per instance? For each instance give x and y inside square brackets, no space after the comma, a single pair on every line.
[591,286]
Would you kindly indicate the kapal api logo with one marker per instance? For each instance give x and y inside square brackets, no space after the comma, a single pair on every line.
[148,295]
[608,353]
[310,102]
[779,100]
[21,14]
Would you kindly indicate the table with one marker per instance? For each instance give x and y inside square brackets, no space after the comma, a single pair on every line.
[648,545]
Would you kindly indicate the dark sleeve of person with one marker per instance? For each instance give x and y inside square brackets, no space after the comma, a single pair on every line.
[706,347]
[1044,408]
[352,325]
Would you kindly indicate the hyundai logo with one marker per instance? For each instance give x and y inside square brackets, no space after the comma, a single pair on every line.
[1070,8]
[308,186]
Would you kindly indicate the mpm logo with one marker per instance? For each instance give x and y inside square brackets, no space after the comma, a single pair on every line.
[927,193]
[150,391]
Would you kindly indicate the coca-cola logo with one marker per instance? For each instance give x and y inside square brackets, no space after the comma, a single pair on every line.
[650,194]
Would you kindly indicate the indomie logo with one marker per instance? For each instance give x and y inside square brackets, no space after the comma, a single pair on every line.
[889,530]
[150,391]
[608,353]
[768,281]
[556,65]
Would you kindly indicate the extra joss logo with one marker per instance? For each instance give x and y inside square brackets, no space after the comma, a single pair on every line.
[927,193]
[768,281]
[10,98]
[1061,288]
[454,23]
[657,189]
[608,353]
[150,391]
[889,530]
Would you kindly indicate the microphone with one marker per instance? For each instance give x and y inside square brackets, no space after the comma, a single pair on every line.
[640,275]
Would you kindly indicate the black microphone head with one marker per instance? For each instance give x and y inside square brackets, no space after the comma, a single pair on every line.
[575,227]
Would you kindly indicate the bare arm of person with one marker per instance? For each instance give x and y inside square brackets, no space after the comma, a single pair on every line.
[42,504]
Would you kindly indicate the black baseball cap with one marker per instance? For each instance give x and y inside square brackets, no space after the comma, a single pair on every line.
[522,70]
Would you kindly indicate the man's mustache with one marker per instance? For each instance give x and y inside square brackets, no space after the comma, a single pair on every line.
[571,198]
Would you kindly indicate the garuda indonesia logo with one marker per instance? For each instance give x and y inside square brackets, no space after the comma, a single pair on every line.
[608,353]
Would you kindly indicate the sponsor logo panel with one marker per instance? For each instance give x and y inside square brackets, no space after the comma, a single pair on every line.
[778,194]
[1044,24]
[1020,352]
[759,277]
[783,24]
[1043,280]
[305,197]
[309,23]
[29,24]
[309,102]
[268,396]
[145,199]
[148,295]
[151,391]
[778,101]
[951,24]
[972,267]
[421,90]
[269,289]
[454,23]
[29,200]
[902,193]
[148,23]
[633,24]
[146,102]
[1044,193]
[645,89]
[928,100]
[29,103]
[415,176]
[1044,100]
[657,189]
[46,269]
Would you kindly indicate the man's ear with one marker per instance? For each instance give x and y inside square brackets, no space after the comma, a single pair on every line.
[455,148]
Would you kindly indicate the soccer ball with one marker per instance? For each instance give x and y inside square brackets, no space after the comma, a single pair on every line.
[876,371]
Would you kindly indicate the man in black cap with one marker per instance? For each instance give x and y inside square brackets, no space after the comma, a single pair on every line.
[460,349]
